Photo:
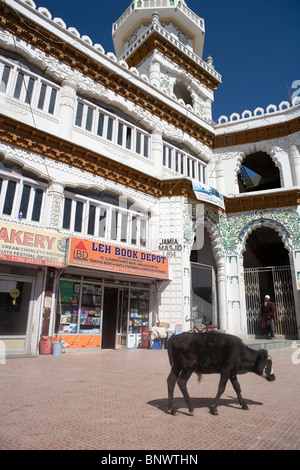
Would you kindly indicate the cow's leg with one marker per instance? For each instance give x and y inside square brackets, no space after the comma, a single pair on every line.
[171,381]
[237,389]
[182,381]
[221,389]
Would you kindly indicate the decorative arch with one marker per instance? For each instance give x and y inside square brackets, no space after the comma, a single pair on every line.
[214,235]
[246,231]
[216,243]
[24,168]
[266,246]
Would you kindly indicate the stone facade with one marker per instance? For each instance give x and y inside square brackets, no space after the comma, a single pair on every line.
[78,123]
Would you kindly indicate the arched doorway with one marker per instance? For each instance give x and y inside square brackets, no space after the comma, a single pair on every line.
[203,284]
[267,271]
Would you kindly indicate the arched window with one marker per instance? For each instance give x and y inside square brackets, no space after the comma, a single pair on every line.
[257,173]
[181,92]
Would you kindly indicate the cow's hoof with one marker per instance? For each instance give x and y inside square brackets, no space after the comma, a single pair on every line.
[191,412]
[245,407]
[214,411]
[173,412]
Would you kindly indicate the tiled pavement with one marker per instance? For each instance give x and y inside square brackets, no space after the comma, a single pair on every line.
[117,400]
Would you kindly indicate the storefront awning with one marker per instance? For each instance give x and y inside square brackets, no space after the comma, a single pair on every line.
[117,259]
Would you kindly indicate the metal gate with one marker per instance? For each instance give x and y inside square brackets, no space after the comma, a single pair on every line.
[277,282]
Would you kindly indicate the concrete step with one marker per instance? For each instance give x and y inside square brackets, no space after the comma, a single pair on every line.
[276,343]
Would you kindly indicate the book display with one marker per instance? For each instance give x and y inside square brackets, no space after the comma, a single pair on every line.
[139,310]
[79,308]
[90,312]
[97,313]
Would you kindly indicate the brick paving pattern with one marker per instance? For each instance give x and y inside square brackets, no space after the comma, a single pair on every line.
[117,400]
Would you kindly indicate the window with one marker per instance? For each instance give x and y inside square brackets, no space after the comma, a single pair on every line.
[91,220]
[9,197]
[79,113]
[114,225]
[109,133]
[111,127]
[18,86]
[85,304]
[67,213]
[19,83]
[100,123]
[183,163]
[181,92]
[52,101]
[21,196]
[4,79]
[78,217]
[124,227]
[89,119]
[104,217]
[79,307]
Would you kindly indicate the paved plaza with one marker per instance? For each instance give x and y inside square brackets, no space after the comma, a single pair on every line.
[117,400]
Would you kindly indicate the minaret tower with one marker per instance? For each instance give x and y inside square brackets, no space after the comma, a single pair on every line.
[164,40]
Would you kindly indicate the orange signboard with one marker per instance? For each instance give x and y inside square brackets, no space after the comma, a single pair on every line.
[80,341]
[104,256]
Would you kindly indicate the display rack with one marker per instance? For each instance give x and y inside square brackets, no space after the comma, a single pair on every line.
[90,312]
[74,301]
[139,310]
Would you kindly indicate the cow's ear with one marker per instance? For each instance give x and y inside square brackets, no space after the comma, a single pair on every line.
[263,354]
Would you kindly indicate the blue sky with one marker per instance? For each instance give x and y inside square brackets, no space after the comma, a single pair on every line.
[255,44]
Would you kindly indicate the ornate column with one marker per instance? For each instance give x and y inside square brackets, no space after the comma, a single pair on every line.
[67,107]
[295,164]
[155,74]
[157,150]
[221,292]
[55,208]
[220,175]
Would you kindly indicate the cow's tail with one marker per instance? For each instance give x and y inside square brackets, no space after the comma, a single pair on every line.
[199,377]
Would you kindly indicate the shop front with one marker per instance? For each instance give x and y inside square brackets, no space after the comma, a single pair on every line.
[104,296]
[25,256]
[16,311]
[106,313]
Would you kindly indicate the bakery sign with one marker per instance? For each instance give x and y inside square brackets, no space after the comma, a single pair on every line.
[23,244]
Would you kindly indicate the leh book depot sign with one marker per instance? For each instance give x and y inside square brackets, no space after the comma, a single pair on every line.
[90,254]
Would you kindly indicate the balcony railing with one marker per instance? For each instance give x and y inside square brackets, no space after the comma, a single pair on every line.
[159,29]
[154,4]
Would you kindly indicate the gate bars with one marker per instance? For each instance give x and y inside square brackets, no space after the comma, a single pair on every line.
[277,282]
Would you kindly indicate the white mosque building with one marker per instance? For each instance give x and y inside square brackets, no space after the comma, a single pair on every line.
[122,203]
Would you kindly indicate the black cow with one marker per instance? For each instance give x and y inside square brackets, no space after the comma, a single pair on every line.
[213,353]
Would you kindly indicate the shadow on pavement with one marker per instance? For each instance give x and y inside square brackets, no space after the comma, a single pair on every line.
[180,405]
